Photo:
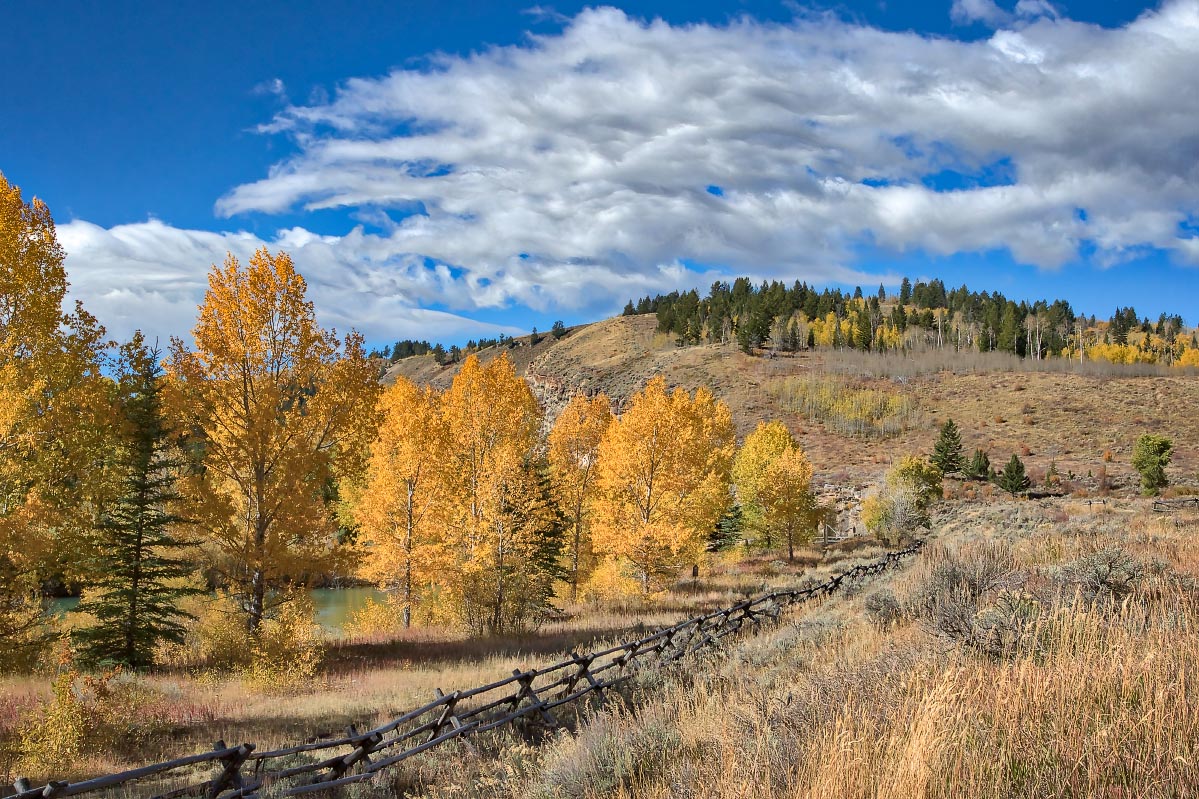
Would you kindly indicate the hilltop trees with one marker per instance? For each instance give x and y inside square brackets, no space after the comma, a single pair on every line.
[1150,458]
[573,452]
[269,400]
[140,569]
[663,479]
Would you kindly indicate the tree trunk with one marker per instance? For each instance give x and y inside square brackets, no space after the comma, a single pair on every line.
[408,562]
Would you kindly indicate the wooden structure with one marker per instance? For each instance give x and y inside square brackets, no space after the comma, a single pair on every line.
[1171,505]
[531,698]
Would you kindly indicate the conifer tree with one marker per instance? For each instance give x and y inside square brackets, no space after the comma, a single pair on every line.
[141,567]
[979,467]
[1149,458]
[1013,479]
[947,452]
[728,530]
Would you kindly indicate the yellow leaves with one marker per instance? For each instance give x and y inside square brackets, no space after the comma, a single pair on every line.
[788,505]
[401,490]
[663,478]
[761,447]
[273,398]
[53,410]
[573,452]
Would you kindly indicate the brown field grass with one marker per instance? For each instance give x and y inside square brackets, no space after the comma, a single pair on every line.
[1064,685]
[364,681]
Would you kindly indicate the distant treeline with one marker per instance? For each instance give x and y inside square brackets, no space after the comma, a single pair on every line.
[789,318]
[407,348]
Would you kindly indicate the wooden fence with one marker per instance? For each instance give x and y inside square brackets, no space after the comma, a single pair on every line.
[1171,505]
[530,697]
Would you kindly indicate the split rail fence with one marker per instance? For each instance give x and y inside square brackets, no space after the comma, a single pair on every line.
[531,697]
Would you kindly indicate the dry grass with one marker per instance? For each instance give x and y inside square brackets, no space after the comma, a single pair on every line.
[1093,696]
[368,681]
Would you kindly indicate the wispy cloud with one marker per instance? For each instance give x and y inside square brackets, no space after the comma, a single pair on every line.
[575,170]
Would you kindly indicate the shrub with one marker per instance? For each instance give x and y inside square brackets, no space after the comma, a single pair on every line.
[1105,573]
[1150,458]
[88,714]
[610,755]
[883,609]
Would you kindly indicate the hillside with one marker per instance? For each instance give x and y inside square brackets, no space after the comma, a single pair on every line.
[1086,422]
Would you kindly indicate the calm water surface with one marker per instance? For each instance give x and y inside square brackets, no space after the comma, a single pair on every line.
[334,606]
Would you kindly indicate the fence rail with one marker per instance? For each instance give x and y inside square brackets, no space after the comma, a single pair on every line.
[1170,505]
[533,696]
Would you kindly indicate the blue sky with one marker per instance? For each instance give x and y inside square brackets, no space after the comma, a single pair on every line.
[456,169]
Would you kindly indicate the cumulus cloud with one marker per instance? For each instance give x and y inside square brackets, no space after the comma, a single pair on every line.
[150,276]
[593,164]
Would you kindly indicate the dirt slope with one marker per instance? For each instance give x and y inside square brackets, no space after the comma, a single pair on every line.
[1083,423]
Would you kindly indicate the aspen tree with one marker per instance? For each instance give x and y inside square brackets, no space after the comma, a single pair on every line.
[278,410]
[55,414]
[663,479]
[573,452]
[396,507]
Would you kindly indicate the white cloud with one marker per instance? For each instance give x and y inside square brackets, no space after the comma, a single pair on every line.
[965,12]
[151,276]
[572,171]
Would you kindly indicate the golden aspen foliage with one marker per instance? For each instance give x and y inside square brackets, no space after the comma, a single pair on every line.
[789,508]
[766,443]
[278,410]
[55,415]
[663,480]
[498,517]
[396,507]
[573,453]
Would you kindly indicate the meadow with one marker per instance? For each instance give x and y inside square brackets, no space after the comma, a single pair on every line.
[1035,649]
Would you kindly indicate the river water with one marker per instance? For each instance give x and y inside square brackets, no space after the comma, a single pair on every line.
[334,606]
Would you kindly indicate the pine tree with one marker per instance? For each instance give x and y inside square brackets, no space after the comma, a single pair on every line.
[905,291]
[728,530]
[1150,458]
[141,569]
[558,330]
[1013,479]
[979,467]
[534,338]
[947,452]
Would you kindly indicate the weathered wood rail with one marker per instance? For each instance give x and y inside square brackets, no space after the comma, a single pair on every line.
[1171,505]
[531,697]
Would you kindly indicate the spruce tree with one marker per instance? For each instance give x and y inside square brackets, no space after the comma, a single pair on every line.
[1013,479]
[1150,458]
[729,530]
[979,467]
[140,566]
[947,452]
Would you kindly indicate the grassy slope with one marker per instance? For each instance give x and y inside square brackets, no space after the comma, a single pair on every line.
[1073,419]
[1091,694]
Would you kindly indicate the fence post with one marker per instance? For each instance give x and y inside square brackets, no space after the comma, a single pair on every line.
[526,692]
[230,776]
